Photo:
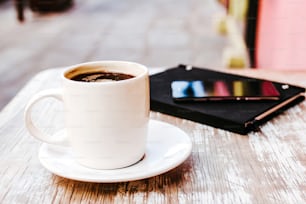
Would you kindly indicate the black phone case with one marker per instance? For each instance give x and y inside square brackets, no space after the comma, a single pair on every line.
[239,116]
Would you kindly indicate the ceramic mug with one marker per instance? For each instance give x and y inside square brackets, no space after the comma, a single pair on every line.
[106,122]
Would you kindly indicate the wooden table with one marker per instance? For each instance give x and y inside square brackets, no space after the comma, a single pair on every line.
[268,166]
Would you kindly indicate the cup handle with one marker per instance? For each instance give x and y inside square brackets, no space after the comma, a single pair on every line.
[58,139]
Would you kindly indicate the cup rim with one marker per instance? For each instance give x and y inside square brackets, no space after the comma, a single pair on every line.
[70,68]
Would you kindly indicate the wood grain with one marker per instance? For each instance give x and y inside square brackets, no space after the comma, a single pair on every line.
[267,166]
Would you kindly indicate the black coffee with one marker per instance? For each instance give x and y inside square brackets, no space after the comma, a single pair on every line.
[99,76]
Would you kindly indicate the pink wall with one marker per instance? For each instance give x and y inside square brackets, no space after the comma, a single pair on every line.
[281,35]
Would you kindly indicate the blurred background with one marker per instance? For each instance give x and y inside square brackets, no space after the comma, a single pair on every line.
[219,34]
[157,33]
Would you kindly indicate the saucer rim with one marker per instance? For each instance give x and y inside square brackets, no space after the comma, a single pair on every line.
[156,171]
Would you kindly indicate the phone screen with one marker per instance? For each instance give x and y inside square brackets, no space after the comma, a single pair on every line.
[223,90]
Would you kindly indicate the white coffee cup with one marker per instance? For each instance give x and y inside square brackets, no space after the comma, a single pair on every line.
[105,122]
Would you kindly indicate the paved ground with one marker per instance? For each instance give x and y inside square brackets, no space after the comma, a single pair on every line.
[154,32]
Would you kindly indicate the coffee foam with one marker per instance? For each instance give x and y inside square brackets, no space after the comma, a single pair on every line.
[101,76]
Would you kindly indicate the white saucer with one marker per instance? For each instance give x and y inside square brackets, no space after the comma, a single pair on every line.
[167,147]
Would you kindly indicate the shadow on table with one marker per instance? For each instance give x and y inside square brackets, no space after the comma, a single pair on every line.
[168,183]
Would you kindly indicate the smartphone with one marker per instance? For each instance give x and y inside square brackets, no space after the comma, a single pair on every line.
[219,90]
